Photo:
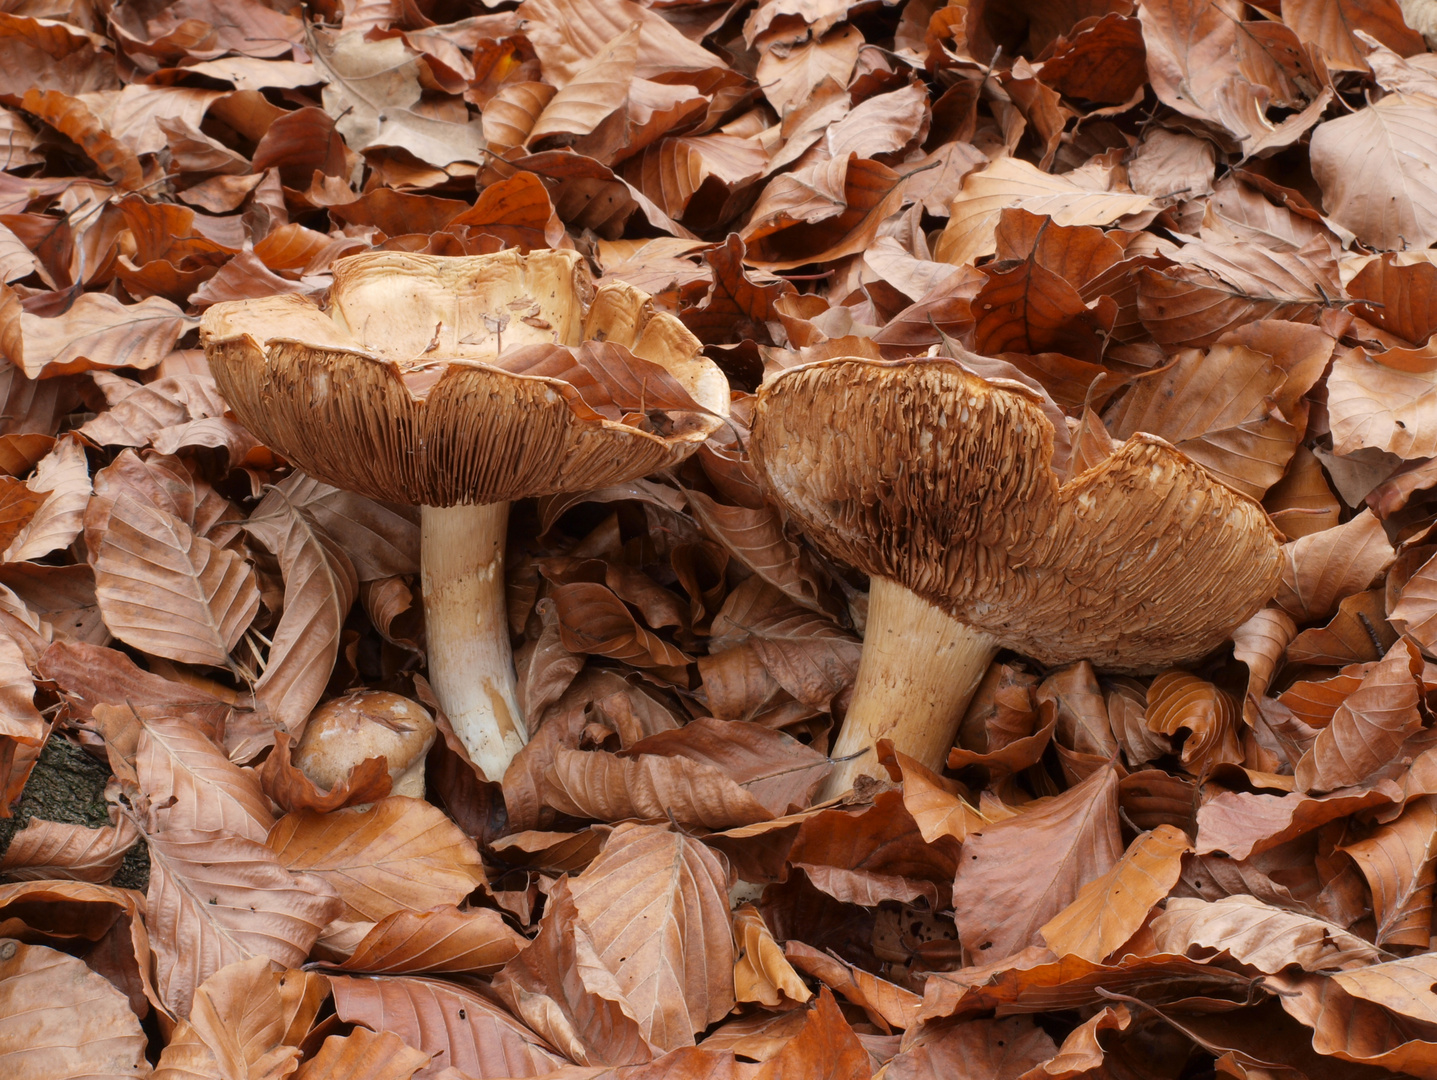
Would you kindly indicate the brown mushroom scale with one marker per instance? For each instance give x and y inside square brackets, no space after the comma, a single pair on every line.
[461,384]
[938,484]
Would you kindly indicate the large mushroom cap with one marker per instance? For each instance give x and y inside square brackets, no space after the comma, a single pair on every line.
[416,385]
[925,474]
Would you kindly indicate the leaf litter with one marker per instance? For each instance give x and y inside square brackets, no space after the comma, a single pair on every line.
[1208,221]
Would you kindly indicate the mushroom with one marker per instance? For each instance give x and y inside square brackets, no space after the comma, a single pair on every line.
[938,484]
[448,383]
[371,723]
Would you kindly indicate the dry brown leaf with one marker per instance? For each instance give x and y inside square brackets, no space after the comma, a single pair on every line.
[59,1018]
[45,850]
[1369,726]
[1380,400]
[656,904]
[1108,910]
[594,92]
[1321,569]
[593,620]
[193,785]
[1012,182]
[246,1020]
[398,854]
[164,589]
[1332,26]
[825,1048]
[1013,877]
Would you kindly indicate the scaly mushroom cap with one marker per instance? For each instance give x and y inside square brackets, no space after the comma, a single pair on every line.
[342,733]
[397,391]
[920,472]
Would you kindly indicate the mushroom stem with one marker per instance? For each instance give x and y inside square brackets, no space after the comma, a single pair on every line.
[466,623]
[918,670]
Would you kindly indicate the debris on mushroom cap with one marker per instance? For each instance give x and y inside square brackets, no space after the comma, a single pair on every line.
[400,391]
[920,472]
[371,723]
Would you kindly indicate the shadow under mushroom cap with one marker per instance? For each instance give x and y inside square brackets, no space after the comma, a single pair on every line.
[394,392]
[920,472]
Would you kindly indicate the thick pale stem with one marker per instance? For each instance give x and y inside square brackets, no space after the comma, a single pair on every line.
[467,630]
[918,670]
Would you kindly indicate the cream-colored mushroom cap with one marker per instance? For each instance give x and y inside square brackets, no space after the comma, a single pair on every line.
[923,473]
[398,390]
[371,723]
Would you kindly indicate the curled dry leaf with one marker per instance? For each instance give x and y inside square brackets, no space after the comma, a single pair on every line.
[320,588]
[1397,861]
[886,1004]
[63,477]
[762,973]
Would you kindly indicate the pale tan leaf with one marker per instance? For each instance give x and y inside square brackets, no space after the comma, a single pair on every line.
[65,475]
[397,854]
[373,92]
[51,849]
[762,973]
[1108,910]
[1321,569]
[568,33]
[59,1019]
[163,589]
[511,113]
[656,903]
[1385,401]
[595,91]
[1404,986]
[1377,168]
[790,72]
[1257,934]
[100,332]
